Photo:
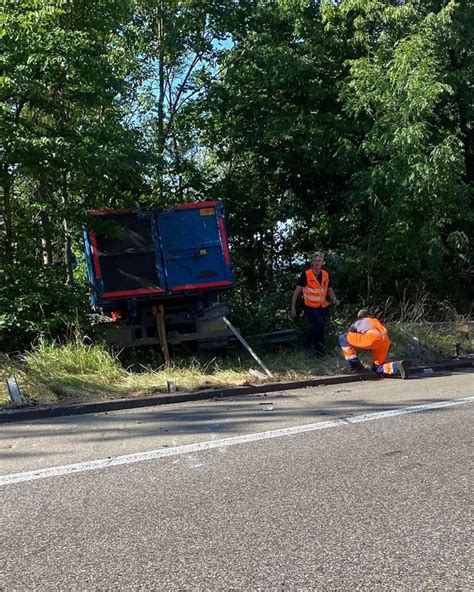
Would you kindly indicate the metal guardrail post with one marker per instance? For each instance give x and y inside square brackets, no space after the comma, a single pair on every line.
[247,346]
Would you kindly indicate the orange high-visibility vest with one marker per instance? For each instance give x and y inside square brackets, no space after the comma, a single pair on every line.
[369,326]
[314,293]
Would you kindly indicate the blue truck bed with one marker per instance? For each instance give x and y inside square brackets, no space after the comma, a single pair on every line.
[178,258]
[138,253]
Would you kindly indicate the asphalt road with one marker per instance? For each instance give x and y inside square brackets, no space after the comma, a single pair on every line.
[365,499]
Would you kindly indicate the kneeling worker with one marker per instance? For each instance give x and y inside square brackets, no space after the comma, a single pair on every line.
[368,333]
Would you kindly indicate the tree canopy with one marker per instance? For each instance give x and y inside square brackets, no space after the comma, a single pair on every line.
[338,126]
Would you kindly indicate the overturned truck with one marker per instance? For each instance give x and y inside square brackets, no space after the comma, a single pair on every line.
[158,275]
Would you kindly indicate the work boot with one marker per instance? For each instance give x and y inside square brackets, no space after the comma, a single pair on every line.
[403,368]
[358,368]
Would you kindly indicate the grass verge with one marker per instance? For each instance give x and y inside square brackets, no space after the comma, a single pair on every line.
[81,371]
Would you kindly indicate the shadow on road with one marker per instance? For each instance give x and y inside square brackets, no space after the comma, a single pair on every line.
[225,417]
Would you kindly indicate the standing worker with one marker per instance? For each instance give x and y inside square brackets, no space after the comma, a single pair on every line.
[315,287]
[368,333]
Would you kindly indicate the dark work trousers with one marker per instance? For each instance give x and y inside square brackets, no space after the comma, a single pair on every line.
[317,318]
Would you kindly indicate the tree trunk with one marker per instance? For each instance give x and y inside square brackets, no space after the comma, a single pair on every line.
[161,98]
[68,253]
[7,239]
[369,269]
[46,247]
[67,244]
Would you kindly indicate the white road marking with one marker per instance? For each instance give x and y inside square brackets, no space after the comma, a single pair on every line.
[224,442]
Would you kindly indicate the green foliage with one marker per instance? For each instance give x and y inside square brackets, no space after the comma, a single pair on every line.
[412,189]
[176,43]
[38,302]
[65,148]
[274,127]
[264,310]
[77,370]
[74,358]
[342,126]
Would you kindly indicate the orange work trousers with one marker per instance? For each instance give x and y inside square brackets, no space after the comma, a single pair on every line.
[377,343]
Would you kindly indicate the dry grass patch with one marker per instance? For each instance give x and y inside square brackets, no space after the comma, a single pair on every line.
[81,371]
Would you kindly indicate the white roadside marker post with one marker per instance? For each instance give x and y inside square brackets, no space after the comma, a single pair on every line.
[13,390]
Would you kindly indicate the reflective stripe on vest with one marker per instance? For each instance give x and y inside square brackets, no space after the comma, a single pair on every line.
[314,293]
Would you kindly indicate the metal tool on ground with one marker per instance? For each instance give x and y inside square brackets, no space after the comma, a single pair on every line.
[247,346]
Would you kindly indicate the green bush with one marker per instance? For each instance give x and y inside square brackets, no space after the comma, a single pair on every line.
[39,302]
